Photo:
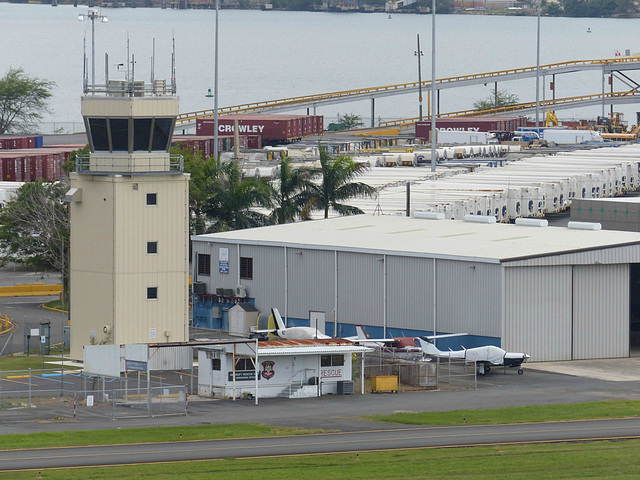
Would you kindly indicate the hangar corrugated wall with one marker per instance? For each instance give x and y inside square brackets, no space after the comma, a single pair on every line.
[600,311]
[311,283]
[553,307]
[567,312]
[537,312]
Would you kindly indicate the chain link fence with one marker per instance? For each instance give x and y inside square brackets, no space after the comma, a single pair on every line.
[418,373]
[51,394]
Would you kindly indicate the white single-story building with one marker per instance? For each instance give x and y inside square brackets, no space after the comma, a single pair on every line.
[284,368]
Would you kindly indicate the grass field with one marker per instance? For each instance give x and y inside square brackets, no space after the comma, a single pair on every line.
[33,361]
[528,414]
[143,435]
[593,460]
[596,460]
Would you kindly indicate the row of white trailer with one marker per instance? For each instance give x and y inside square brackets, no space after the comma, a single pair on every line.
[421,157]
[529,187]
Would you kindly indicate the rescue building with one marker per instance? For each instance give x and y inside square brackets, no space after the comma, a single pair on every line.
[278,368]
[554,293]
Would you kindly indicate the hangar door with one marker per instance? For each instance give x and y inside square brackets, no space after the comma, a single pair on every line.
[634,307]
[600,319]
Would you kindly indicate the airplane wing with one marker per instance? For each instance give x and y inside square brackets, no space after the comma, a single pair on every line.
[445,335]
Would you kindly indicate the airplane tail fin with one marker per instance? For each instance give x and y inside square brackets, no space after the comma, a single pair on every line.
[278,319]
[361,334]
[429,348]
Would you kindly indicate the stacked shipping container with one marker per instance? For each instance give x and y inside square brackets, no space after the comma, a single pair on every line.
[13,143]
[471,124]
[25,165]
[269,128]
[205,143]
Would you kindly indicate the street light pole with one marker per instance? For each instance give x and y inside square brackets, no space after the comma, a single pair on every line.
[434,133]
[215,88]
[93,15]
[538,70]
[419,53]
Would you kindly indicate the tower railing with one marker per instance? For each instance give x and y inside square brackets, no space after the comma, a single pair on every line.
[131,163]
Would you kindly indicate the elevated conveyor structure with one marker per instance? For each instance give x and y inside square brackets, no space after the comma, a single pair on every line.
[606,66]
[614,98]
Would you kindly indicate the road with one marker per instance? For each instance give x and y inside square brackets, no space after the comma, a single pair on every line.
[27,312]
[342,442]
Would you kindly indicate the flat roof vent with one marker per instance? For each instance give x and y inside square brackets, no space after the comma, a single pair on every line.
[584,226]
[532,222]
[480,219]
[429,215]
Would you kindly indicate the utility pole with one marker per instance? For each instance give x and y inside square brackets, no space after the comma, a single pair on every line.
[419,53]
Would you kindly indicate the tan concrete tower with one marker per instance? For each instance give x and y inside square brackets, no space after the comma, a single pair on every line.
[129,204]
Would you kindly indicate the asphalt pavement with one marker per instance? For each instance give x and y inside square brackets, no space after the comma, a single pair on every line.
[26,312]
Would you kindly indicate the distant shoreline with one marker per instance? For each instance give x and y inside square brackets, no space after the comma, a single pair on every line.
[210,5]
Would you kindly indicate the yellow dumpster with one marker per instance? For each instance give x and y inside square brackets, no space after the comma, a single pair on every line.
[384,383]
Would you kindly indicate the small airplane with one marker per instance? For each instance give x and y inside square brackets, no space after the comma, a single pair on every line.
[404,345]
[291,333]
[485,357]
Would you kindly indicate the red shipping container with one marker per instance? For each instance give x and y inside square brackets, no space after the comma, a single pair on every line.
[474,124]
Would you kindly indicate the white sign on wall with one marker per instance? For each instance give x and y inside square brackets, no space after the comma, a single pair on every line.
[152,333]
[223,260]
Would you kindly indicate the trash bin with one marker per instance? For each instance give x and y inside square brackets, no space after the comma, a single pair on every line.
[384,383]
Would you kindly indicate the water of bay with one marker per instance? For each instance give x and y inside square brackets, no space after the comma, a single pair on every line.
[269,55]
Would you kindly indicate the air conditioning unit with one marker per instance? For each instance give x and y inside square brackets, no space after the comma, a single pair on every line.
[240,291]
[199,288]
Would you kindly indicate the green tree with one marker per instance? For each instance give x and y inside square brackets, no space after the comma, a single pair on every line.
[553,9]
[335,184]
[291,192]
[202,173]
[70,165]
[442,6]
[231,199]
[34,227]
[23,101]
[350,120]
[500,99]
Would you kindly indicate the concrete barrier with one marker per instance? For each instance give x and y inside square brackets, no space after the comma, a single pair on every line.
[5,324]
[30,290]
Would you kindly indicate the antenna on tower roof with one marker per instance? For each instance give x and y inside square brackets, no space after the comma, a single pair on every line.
[173,68]
[153,60]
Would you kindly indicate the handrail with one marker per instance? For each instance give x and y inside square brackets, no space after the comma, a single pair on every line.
[305,99]
[296,374]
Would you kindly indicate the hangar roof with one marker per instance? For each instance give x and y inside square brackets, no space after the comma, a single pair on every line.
[454,239]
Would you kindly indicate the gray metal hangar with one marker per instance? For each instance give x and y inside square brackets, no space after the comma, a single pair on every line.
[554,293]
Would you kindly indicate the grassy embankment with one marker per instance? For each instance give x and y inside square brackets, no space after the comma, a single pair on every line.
[602,459]
[598,460]
[527,414]
[33,361]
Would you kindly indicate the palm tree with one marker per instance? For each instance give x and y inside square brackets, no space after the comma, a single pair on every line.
[336,174]
[291,192]
[231,199]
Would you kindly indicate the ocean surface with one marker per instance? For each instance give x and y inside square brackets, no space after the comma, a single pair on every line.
[270,55]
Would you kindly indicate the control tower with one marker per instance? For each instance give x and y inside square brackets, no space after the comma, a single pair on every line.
[129,204]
